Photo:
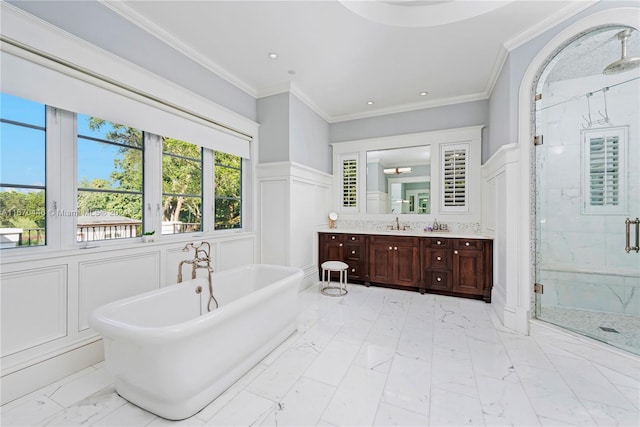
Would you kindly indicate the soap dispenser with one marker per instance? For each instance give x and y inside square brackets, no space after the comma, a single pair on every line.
[435,224]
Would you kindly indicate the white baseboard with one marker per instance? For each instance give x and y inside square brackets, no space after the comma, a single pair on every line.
[31,378]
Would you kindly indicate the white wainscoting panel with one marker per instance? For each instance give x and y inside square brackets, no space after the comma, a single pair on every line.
[303,227]
[274,221]
[500,219]
[34,307]
[234,253]
[110,279]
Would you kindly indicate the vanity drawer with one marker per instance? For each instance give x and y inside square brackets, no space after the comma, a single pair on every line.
[439,258]
[438,280]
[354,271]
[437,242]
[353,251]
[332,237]
[469,244]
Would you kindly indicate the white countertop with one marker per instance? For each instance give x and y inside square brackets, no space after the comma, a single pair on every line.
[412,233]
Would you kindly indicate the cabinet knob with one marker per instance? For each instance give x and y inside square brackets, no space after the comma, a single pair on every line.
[466,244]
[455,252]
[438,242]
[353,238]
[333,237]
[390,248]
[353,270]
[439,279]
[395,248]
[353,252]
[340,244]
[439,258]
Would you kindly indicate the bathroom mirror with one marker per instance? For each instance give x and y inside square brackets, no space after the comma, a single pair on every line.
[399,180]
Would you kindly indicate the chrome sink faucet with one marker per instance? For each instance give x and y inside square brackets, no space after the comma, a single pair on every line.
[397,224]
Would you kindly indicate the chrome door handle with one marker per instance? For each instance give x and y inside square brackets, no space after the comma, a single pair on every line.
[628,248]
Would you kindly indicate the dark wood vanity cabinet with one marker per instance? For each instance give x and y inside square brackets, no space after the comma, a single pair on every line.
[348,248]
[394,261]
[443,265]
[462,267]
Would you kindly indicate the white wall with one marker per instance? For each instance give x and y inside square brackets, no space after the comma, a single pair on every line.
[273,116]
[309,137]
[425,120]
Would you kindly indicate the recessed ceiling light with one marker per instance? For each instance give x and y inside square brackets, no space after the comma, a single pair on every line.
[369,102]
[273,55]
[424,93]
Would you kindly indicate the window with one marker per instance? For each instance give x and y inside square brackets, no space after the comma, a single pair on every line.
[604,170]
[349,165]
[110,174]
[181,187]
[454,178]
[228,191]
[22,172]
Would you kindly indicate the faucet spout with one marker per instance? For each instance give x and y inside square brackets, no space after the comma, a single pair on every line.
[397,224]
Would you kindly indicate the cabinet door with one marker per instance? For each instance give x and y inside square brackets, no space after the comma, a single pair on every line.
[468,271]
[381,263]
[407,265]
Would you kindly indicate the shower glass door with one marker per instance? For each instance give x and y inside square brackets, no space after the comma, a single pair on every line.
[587,185]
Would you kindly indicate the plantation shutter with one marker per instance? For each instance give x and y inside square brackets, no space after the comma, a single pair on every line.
[349,182]
[454,178]
[604,154]
[604,171]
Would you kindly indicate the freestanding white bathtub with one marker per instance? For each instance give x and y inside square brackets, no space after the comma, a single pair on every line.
[171,360]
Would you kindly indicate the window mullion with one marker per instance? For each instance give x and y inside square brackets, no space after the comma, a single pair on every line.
[152,217]
[208,191]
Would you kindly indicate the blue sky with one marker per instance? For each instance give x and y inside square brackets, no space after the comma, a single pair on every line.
[22,150]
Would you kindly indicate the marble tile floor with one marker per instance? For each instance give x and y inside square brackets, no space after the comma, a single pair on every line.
[590,323]
[386,357]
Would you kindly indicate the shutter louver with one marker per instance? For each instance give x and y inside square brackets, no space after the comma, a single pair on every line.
[349,183]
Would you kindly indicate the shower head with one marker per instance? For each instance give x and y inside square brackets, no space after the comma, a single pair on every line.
[624,63]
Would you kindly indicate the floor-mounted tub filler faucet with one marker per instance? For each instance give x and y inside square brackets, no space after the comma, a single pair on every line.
[201,259]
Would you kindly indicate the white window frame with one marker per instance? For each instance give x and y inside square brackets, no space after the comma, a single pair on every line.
[587,135]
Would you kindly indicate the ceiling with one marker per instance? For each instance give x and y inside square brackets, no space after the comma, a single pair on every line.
[338,57]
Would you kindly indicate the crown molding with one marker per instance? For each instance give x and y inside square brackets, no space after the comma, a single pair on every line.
[139,20]
[501,59]
[411,107]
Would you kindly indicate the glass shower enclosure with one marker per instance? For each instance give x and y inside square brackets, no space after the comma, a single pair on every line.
[587,172]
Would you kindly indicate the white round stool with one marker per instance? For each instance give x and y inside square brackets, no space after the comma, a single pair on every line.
[327,268]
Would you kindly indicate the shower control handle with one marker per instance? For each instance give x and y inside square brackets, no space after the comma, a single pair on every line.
[628,248]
